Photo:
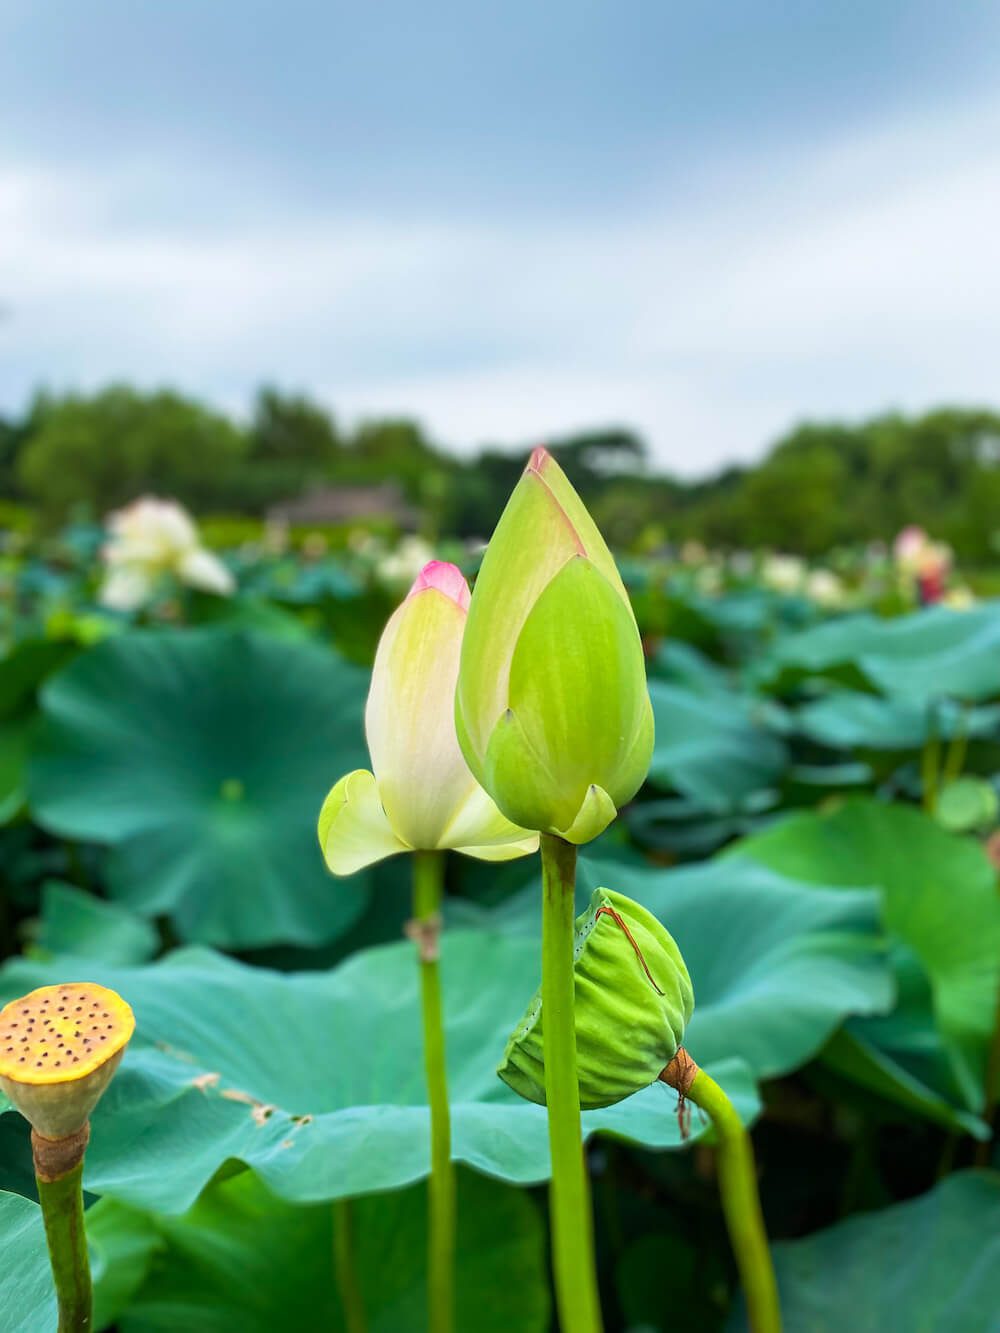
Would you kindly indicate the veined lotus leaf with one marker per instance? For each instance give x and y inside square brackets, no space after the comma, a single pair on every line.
[202,758]
[929,655]
[27,1299]
[316,1080]
[851,719]
[930,1263]
[712,748]
[22,672]
[776,964]
[76,922]
[939,898]
[238,1227]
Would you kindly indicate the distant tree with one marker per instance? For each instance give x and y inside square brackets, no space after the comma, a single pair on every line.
[103,450]
[591,459]
[396,449]
[822,484]
[290,428]
[12,437]
[795,501]
[830,482]
[292,446]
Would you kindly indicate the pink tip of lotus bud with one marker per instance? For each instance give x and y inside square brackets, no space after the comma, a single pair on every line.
[540,456]
[446,578]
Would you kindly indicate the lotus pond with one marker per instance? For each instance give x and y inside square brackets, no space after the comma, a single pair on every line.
[817,831]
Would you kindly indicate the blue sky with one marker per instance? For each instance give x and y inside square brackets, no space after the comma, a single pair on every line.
[511,221]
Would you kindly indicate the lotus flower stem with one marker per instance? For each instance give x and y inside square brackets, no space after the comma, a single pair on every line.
[59,1174]
[572,1220]
[954,759]
[738,1187]
[984,1148]
[428,875]
[930,762]
[59,1049]
[346,1268]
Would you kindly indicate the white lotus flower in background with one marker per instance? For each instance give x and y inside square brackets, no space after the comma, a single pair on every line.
[708,580]
[784,573]
[151,538]
[825,588]
[693,553]
[420,794]
[401,566]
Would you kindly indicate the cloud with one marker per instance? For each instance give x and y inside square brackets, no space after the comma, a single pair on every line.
[778,285]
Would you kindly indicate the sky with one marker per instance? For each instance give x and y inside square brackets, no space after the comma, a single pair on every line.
[512,221]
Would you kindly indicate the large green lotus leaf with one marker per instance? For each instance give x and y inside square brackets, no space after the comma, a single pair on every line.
[776,965]
[939,898]
[27,1301]
[712,748]
[248,612]
[686,829]
[673,1280]
[852,1053]
[24,669]
[123,1243]
[78,923]
[851,719]
[16,739]
[932,1263]
[736,621]
[202,758]
[316,1079]
[681,663]
[21,674]
[244,1259]
[900,1055]
[830,649]
[927,655]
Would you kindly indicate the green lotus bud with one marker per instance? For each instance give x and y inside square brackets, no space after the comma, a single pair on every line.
[633,1001]
[59,1047]
[552,711]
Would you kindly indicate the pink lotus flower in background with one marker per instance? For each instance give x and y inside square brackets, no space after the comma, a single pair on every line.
[908,547]
[927,562]
[420,794]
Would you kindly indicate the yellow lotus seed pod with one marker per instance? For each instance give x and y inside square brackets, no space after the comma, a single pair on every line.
[59,1047]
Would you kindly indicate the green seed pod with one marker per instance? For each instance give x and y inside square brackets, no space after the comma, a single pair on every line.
[633,1001]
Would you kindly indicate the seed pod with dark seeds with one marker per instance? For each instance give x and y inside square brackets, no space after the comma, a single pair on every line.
[59,1047]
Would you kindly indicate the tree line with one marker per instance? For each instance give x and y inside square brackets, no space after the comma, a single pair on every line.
[824,484]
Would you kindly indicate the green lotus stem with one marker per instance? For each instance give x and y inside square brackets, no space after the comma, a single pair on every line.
[930,762]
[738,1188]
[428,875]
[954,759]
[992,1088]
[346,1268]
[572,1220]
[61,1198]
